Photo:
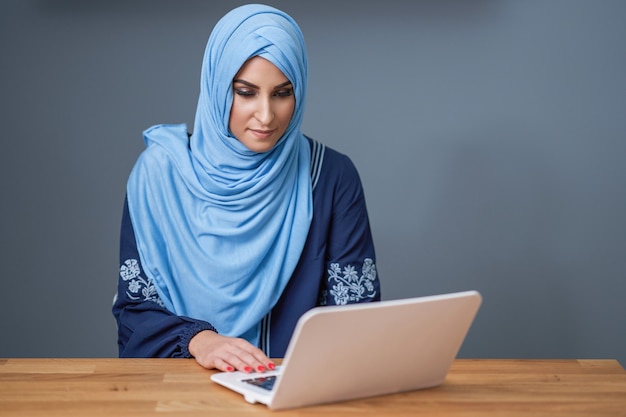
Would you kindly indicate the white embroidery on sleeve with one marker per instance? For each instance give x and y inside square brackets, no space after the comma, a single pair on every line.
[143,287]
[348,286]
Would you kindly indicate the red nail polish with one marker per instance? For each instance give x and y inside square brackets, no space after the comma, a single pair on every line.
[230,369]
[260,368]
[271,366]
[247,369]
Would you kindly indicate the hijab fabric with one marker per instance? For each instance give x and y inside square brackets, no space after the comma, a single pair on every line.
[220,228]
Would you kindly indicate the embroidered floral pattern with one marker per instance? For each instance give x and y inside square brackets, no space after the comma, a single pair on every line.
[143,287]
[348,286]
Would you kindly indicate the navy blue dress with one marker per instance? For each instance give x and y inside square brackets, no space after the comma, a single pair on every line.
[337,266]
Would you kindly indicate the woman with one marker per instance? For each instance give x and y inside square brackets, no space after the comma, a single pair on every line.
[231,233]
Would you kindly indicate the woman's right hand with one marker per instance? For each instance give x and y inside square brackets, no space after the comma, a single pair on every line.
[214,351]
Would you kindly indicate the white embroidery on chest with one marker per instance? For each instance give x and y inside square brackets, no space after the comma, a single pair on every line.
[348,286]
[143,287]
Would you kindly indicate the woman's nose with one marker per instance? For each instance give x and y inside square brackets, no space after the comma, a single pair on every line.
[265,112]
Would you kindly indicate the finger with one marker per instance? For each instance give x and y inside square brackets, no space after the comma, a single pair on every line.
[265,361]
[223,366]
[247,358]
[242,361]
[259,361]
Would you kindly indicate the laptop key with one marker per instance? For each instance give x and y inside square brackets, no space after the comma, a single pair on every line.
[265,382]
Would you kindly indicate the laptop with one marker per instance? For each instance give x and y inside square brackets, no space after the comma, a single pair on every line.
[355,351]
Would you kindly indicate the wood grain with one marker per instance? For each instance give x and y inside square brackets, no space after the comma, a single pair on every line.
[179,387]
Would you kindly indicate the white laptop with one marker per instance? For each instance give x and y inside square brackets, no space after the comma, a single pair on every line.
[340,353]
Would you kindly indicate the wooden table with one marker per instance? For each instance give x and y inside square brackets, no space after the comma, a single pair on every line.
[180,387]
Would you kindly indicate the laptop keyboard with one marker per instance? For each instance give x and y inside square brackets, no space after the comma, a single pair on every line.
[265,382]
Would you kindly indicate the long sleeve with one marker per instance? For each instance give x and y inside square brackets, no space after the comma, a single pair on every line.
[145,327]
[350,257]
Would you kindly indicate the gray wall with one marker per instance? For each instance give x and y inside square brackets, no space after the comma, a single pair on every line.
[490,136]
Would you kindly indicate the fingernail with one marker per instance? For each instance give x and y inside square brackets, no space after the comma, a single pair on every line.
[247,369]
[271,366]
[230,369]
[260,368]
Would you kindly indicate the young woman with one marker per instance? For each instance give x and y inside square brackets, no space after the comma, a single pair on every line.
[231,233]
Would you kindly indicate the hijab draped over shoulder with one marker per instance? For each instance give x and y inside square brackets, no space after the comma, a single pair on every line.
[220,228]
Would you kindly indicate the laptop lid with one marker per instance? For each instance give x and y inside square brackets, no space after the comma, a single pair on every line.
[360,350]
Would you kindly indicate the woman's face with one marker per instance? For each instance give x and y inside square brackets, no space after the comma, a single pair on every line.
[263,103]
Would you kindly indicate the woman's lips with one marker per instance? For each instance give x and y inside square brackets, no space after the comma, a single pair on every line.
[263,134]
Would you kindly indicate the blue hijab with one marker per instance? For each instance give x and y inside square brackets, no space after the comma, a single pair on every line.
[220,228]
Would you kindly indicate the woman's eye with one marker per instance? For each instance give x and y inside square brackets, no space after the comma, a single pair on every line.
[244,93]
[284,93]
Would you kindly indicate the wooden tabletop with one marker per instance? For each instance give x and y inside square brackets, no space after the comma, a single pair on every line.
[180,387]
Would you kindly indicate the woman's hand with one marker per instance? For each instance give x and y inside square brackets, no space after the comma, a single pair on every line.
[212,350]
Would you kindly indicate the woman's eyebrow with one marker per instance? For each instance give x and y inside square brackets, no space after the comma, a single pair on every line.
[249,84]
[285,84]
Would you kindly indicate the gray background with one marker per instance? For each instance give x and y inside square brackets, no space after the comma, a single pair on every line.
[490,137]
